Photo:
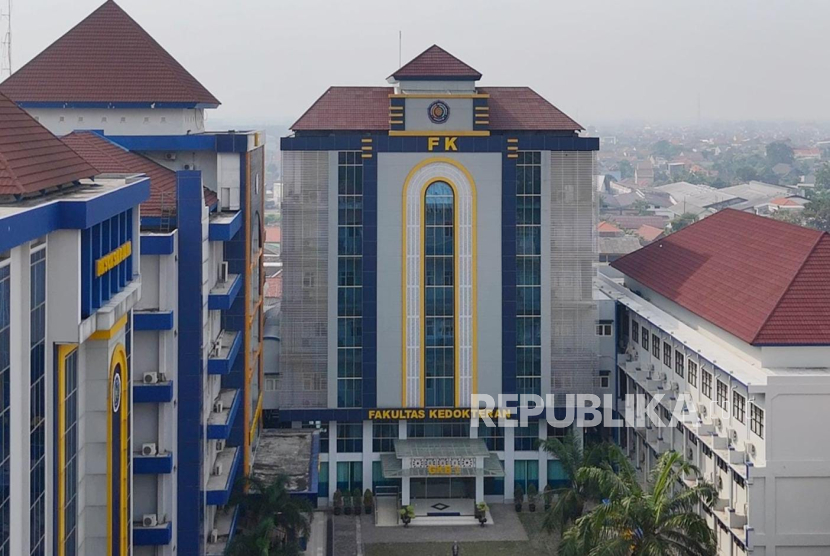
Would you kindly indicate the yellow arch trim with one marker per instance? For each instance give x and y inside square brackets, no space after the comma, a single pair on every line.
[474,231]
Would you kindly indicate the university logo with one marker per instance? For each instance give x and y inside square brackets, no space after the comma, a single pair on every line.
[116,393]
[439,112]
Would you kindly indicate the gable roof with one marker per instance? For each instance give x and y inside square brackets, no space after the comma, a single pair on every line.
[31,158]
[763,280]
[110,157]
[367,109]
[107,57]
[649,233]
[435,63]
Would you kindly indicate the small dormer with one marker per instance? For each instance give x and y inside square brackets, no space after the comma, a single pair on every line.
[436,92]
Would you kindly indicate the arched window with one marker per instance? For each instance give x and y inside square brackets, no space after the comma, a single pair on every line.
[439,295]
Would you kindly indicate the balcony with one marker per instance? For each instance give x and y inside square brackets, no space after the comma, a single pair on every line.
[224,293]
[152,320]
[222,476]
[159,392]
[222,356]
[224,525]
[159,464]
[160,535]
[224,225]
[220,423]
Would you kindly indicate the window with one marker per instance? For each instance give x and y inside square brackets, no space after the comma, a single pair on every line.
[645,338]
[350,437]
[37,400]
[492,436]
[526,473]
[678,362]
[439,294]
[526,438]
[655,345]
[528,273]
[379,482]
[438,429]
[706,383]
[604,329]
[667,354]
[756,420]
[349,476]
[349,279]
[635,330]
[68,466]
[383,436]
[692,374]
[738,407]
[5,405]
[323,481]
[723,394]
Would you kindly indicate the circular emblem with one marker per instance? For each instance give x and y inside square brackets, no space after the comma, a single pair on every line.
[116,393]
[439,112]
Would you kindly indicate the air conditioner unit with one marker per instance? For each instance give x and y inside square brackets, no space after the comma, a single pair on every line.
[151,378]
[651,367]
[223,271]
[218,406]
[629,357]
[662,377]
[675,387]
[691,455]
[220,445]
[733,436]
[703,410]
[150,520]
[162,377]
[169,156]
[751,449]
[149,449]
[213,538]
[217,468]
[717,422]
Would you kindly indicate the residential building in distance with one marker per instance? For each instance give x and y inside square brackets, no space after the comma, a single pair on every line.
[439,241]
[732,315]
[69,282]
[127,106]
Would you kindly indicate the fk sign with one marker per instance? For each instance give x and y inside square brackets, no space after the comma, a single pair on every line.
[434,144]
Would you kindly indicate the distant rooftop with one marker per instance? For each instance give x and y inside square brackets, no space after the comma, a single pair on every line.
[287,452]
[31,158]
[437,64]
[106,58]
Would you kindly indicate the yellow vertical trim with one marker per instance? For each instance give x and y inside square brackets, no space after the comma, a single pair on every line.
[246,441]
[64,351]
[119,356]
[108,412]
[474,256]
[126,523]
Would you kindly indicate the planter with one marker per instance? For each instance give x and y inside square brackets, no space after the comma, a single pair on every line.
[338,510]
[406,519]
[357,510]
[367,509]
[518,507]
[482,520]
[348,510]
[532,506]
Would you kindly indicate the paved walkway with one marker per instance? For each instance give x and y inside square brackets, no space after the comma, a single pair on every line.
[506,527]
[317,539]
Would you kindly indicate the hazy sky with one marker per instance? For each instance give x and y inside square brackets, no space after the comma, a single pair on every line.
[598,60]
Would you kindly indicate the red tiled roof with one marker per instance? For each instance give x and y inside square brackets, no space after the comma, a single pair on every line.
[107,57]
[634,222]
[522,108]
[436,63]
[273,234]
[110,157]
[649,233]
[763,280]
[608,227]
[31,158]
[784,202]
[367,109]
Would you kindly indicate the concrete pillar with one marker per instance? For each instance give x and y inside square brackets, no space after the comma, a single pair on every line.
[479,488]
[367,455]
[508,463]
[543,457]
[405,483]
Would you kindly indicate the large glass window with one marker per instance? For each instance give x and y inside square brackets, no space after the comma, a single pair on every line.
[706,383]
[439,284]
[492,436]
[756,420]
[692,373]
[384,435]
[738,406]
[526,474]
[69,441]
[528,273]
[350,437]
[37,400]
[5,407]
[526,438]
[349,476]
[723,394]
[679,360]
[438,429]
[350,279]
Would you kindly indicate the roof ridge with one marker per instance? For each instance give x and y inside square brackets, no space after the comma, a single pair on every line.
[822,234]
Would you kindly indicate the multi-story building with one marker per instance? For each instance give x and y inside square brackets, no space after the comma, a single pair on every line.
[731,316]
[438,241]
[198,356]
[69,281]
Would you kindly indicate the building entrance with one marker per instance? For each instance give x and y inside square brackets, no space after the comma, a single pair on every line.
[443,487]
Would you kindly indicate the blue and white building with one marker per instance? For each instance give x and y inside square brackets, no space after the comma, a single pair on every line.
[197,327]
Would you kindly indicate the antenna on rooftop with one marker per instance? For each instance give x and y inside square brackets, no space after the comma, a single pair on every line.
[6,54]
[400,46]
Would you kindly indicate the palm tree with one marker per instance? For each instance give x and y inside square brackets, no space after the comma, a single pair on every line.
[272,514]
[661,520]
[569,501]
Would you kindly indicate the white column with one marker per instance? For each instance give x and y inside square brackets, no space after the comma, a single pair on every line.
[508,463]
[367,455]
[543,456]
[479,488]
[19,402]
[404,482]
[332,458]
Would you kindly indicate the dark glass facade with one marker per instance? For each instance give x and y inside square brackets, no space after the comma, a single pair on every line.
[37,400]
[529,273]
[5,409]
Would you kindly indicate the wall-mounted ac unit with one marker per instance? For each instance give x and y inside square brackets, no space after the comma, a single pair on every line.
[151,378]
[162,377]
[220,445]
[149,449]
[217,469]
[218,406]
[751,449]
[150,520]
[223,271]
[213,537]
[733,436]
[169,156]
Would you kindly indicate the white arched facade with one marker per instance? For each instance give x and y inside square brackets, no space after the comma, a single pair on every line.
[465,246]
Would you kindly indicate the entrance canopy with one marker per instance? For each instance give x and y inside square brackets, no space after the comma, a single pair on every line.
[441,457]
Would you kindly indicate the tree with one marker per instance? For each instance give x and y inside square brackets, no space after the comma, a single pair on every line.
[746,173]
[664,149]
[823,177]
[569,501]
[682,221]
[779,152]
[269,507]
[626,169]
[659,520]
[817,211]
[641,206]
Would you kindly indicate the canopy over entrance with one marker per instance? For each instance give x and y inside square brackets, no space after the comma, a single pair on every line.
[437,457]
